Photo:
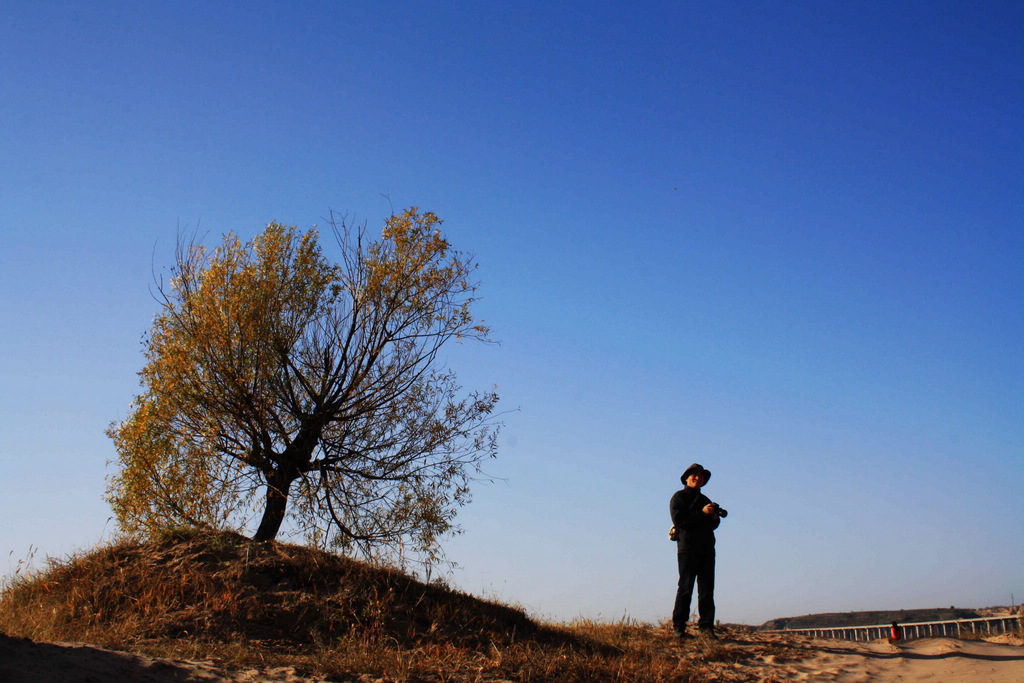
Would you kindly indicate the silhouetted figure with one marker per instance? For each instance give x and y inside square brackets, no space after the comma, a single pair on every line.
[695,518]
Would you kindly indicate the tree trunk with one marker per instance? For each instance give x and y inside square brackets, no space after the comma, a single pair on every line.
[278,484]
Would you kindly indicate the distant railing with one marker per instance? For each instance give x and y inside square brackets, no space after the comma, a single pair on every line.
[956,628]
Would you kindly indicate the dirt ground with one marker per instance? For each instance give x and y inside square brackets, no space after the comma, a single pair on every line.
[738,657]
[26,661]
[802,658]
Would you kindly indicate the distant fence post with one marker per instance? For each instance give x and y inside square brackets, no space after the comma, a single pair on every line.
[955,628]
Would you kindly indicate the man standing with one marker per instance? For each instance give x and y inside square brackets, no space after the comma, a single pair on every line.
[695,518]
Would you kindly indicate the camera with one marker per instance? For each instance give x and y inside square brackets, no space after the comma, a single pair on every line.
[722,512]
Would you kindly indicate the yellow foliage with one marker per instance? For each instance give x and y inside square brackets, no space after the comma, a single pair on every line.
[268,365]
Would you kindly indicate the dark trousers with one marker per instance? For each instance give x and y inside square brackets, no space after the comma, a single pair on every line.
[702,568]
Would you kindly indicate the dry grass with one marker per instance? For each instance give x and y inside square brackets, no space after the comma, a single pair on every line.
[219,597]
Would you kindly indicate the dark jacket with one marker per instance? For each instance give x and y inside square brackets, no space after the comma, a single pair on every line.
[696,530]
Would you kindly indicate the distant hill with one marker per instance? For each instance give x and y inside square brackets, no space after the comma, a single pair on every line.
[840,619]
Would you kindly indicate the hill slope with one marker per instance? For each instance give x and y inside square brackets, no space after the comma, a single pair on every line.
[219,597]
[221,586]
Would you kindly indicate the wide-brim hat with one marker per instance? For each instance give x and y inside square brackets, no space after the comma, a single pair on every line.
[696,468]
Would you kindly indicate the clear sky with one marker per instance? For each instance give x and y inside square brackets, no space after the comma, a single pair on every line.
[781,239]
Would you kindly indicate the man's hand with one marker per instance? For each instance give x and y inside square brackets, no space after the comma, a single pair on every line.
[710,509]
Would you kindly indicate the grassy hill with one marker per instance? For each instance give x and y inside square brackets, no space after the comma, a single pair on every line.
[217,596]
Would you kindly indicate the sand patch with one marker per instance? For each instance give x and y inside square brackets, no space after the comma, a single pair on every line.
[742,657]
[738,657]
[27,661]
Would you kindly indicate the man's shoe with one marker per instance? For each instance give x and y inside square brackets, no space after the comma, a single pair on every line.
[681,635]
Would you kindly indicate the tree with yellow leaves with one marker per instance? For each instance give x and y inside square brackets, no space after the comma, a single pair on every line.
[279,384]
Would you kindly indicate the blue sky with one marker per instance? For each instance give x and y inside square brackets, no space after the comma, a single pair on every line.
[784,240]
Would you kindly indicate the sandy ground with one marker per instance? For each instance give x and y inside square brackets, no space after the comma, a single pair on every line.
[26,661]
[767,658]
[737,657]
